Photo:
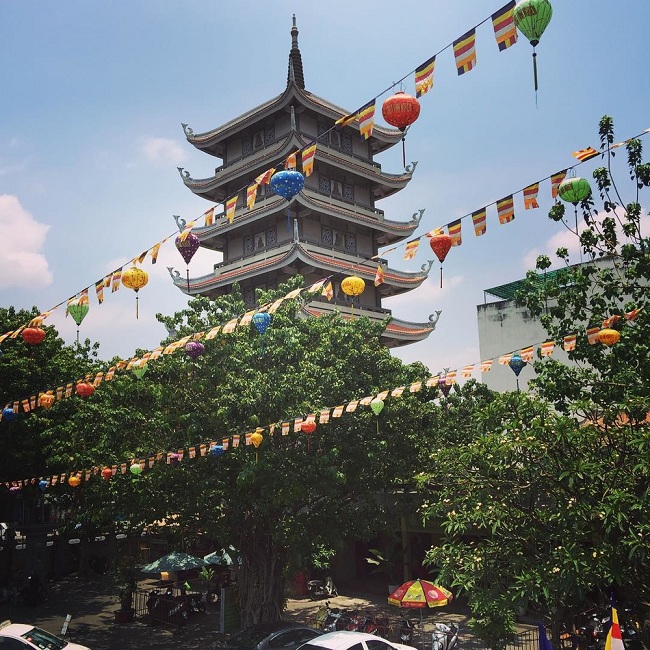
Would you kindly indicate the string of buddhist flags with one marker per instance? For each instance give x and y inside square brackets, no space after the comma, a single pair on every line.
[442,381]
[505,207]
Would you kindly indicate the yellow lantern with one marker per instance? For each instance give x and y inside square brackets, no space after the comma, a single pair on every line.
[353,286]
[609,336]
[74,481]
[135,278]
[256,439]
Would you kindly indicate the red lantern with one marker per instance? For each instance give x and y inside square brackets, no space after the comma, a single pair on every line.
[401,110]
[33,335]
[308,427]
[84,389]
[440,244]
[107,473]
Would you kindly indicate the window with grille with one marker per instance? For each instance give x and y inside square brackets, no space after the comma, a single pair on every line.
[348,192]
[324,184]
[246,146]
[272,236]
[350,242]
[249,245]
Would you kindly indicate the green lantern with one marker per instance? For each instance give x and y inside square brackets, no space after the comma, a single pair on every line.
[573,190]
[531,18]
[78,308]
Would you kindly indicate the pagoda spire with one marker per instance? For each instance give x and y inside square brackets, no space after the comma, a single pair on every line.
[296,74]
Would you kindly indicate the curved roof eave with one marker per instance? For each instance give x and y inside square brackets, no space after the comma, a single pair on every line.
[208,139]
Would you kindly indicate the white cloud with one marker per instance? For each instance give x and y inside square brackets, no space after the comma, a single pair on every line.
[21,262]
[163,150]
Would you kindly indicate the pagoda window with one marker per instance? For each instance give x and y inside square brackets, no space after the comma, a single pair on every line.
[258,140]
[336,189]
[271,236]
[249,245]
[246,146]
[326,235]
[346,143]
[260,241]
[348,192]
[335,139]
[269,134]
[249,297]
[350,242]
[324,184]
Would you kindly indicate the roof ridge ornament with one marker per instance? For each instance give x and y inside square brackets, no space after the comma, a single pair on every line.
[182,172]
[433,318]
[295,74]
[410,169]
[427,267]
[188,131]
[180,222]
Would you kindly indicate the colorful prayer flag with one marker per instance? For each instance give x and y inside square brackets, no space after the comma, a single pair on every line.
[231,204]
[614,637]
[424,77]
[155,250]
[585,154]
[328,291]
[307,157]
[346,119]
[187,230]
[251,195]
[291,161]
[479,219]
[506,209]
[569,342]
[367,119]
[411,249]
[530,196]
[465,52]
[486,366]
[99,290]
[503,22]
[454,232]
[467,371]
[632,315]
[527,354]
[504,359]
[556,179]
[263,179]
[379,276]
[209,216]
[547,348]
[592,335]
[115,281]
[612,320]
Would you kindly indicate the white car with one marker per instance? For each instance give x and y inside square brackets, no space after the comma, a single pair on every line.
[352,641]
[18,636]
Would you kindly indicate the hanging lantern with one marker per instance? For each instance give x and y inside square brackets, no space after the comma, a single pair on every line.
[261,320]
[531,19]
[135,469]
[401,110]
[42,485]
[135,278]
[194,349]
[84,389]
[47,401]
[107,473]
[74,481]
[78,308]
[516,364]
[33,335]
[15,490]
[256,440]
[440,244]
[609,336]
[353,286]
[140,370]
[573,190]
[308,427]
[217,451]
[8,414]
[174,459]
[444,387]
[377,405]
[187,248]
[287,184]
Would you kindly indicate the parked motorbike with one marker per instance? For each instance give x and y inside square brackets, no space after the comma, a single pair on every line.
[322,588]
[336,619]
[407,627]
[444,637]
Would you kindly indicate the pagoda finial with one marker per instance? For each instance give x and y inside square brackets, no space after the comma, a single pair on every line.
[296,74]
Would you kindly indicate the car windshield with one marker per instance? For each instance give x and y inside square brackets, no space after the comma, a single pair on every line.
[44,640]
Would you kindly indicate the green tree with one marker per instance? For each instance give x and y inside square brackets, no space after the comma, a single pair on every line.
[296,495]
[551,498]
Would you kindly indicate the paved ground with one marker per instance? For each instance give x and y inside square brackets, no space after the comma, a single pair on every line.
[92,601]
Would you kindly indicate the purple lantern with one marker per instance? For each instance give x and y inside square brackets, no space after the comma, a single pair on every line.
[187,247]
[194,349]
[443,385]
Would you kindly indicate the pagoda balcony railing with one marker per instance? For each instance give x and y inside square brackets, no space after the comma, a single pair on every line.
[345,302]
[272,250]
[308,136]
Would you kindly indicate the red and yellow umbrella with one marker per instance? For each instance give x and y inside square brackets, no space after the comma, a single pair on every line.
[420,594]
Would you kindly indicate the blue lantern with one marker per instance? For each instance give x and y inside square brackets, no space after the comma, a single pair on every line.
[42,485]
[261,320]
[516,364]
[9,414]
[287,183]
[217,450]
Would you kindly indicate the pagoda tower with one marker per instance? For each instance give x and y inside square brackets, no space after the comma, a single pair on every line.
[330,229]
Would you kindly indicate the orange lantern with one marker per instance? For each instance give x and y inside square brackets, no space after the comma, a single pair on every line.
[46,401]
[440,244]
[135,278]
[84,389]
[609,336]
[308,427]
[107,473]
[74,481]
[33,335]
[401,110]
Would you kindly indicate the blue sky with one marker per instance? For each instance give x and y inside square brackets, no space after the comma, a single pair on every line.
[94,94]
